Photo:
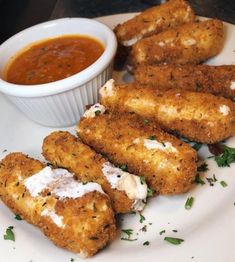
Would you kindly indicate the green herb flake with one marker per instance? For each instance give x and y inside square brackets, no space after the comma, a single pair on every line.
[197,146]
[162,232]
[152,138]
[173,240]
[223,184]
[226,158]
[198,180]
[146,243]
[211,180]
[123,167]
[203,168]
[71,259]
[129,233]
[18,217]
[142,218]
[150,192]
[189,203]
[146,121]
[9,235]
[174,230]
[97,112]
[142,180]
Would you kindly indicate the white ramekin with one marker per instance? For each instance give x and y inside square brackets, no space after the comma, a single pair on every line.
[60,103]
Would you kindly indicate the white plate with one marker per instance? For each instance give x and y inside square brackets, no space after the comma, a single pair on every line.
[208,228]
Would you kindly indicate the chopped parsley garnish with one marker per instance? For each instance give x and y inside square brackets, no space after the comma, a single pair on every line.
[197,146]
[142,218]
[198,180]
[203,168]
[223,184]
[9,235]
[152,138]
[173,240]
[162,232]
[71,259]
[18,217]
[144,228]
[211,180]
[189,203]
[146,243]
[175,231]
[142,180]
[226,158]
[123,167]
[129,233]
[150,192]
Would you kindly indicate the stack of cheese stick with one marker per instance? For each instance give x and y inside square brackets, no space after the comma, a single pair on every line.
[126,148]
[169,34]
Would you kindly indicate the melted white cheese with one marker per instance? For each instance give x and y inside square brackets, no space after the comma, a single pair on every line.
[132,41]
[224,110]
[107,88]
[188,42]
[60,182]
[58,220]
[232,85]
[168,110]
[154,144]
[94,110]
[161,43]
[126,182]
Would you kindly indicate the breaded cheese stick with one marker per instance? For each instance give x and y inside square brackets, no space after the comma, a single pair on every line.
[201,117]
[154,20]
[167,163]
[190,43]
[74,216]
[125,190]
[217,80]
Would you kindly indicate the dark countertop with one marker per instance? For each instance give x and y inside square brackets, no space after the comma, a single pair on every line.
[16,15]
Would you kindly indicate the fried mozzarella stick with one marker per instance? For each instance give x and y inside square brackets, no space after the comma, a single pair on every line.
[153,21]
[167,163]
[125,190]
[73,215]
[190,43]
[201,117]
[217,80]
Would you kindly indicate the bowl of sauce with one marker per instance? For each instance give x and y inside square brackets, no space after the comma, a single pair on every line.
[51,71]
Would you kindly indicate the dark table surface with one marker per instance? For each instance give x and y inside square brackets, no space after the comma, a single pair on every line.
[16,15]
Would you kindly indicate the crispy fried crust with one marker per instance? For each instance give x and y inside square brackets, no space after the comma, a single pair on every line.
[121,138]
[217,80]
[200,117]
[190,43]
[154,20]
[65,150]
[89,220]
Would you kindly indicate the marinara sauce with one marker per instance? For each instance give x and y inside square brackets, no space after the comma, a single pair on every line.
[53,59]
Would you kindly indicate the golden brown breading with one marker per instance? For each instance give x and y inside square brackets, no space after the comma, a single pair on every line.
[200,117]
[154,20]
[217,80]
[167,163]
[65,150]
[190,43]
[88,221]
